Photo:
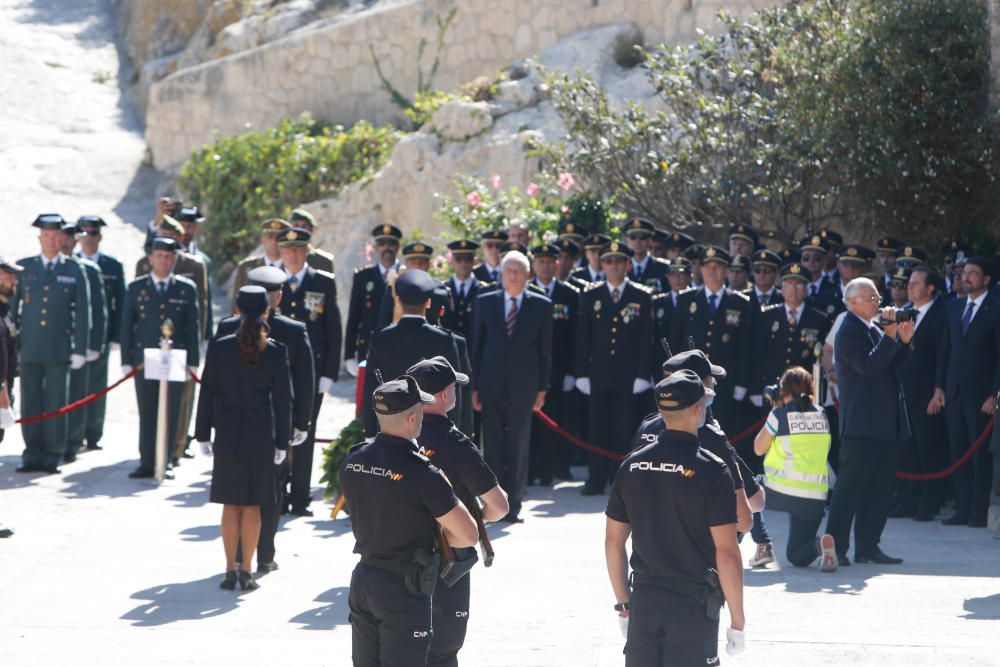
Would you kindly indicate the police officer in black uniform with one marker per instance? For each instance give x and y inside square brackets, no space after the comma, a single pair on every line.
[465,417]
[367,292]
[295,339]
[310,296]
[398,499]
[765,264]
[8,354]
[464,287]
[488,271]
[462,463]
[591,272]
[665,305]
[645,269]
[676,501]
[397,347]
[416,255]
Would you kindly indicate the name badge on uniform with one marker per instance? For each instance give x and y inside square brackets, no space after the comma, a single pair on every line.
[314,302]
[66,280]
[733,317]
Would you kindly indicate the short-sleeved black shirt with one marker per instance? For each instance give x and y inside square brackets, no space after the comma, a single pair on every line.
[671,493]
[458,458]
[712,438]
[395,495]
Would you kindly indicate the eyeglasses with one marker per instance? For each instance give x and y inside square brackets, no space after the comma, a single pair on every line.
[763,269]
[491,244]
[386,242]
[871,298]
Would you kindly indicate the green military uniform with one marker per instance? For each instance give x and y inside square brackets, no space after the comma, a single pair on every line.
[272,228]
[113,276]
[146,309]
[79,379]
[51,308]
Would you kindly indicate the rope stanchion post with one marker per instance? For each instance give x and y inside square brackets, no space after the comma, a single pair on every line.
[162,430]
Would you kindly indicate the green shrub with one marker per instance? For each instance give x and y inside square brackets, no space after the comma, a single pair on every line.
[245,179]
[335,453]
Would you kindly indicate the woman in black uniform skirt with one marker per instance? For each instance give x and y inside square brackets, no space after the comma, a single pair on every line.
[246,397]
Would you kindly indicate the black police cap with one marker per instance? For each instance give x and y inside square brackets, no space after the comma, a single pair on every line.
[190,214]
[901,276]
[790,256]
[679,265]
[596,241]
[570,229]
[91,222]
[740,263]
[680,390]
[495,235]
[766,258]
[414,287]
[164,243]
[270,278]
[743,231]
[693,252]
[49,221]
[399,395]
[639,227]
[70,228]
[545,250]
[909,253]
[463,247]
[252,300]
[387,232]
[814,242]
[568,246]
[616,249]
[417,250]
[833,239]
[678,240]
[795,271]
[855,253]
[693,360]
[714,253]
[435,374]
[888,244]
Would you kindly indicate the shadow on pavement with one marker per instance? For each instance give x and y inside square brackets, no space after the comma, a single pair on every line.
[196,496]
[201,533]
[332,613]
[91,483]
[182,601]
[329,527]
[983,609]
[56,12]
[14,480]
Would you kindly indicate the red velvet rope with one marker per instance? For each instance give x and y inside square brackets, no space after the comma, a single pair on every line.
[76,405]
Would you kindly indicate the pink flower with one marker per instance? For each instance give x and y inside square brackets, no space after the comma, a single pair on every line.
[475,201]
[368,252]
[532,189]
[564,209]
[495,182]
[565,181]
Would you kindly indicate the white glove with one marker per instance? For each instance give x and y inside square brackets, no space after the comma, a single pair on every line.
[623,626]
[126,370]
[279,456]
[206,448]
[583,384]
[739,393]
[298,437]
[757,400]
[736,641]
[7,418]
[192,369]
[93,355]
[352,367]
[640,385]
[568,382]
[325,386]
[76,361]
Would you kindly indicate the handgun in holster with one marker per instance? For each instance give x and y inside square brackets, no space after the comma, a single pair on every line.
[455,562]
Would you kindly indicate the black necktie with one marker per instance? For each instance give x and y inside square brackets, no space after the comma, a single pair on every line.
[875,335]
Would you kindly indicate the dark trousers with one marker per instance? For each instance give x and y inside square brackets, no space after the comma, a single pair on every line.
[97,379]
[180,438]
[44,388]
[667,629]
[972,481]
[506,438]
[801,550]
[833,418]
[548,451]
[302,463]
[451,619]
[612,422]
[270,515]
[76,421]
[862,493]
[390,626]
[148,396]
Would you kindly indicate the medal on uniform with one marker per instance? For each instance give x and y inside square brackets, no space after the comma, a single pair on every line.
[805,353]
[733,318]
[370,286]
[313,302]
[693,308]
[775,326]
[597,306]
[659,313]
[725,338]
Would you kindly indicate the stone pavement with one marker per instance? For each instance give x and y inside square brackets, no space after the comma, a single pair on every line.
[107,570]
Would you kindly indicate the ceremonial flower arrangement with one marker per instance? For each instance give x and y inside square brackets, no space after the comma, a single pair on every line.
[335,453]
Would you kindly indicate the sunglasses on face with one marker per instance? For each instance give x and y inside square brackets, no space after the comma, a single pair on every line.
[384,243]
[491,244]
[813,258]
[763,269]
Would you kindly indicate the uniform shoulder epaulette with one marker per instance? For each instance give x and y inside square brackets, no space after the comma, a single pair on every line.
[420,456]
[325,274]
[643,288]
[185,253]
[688,290]
[712,457]
[536,289]
[771,306]
[249,259]
[364,268]
[818,312]
[181,280]
[743,296]
[571,286]
[592,286]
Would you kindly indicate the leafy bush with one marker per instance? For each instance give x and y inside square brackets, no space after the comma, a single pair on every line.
[869,113]
[245,179]
[335,453]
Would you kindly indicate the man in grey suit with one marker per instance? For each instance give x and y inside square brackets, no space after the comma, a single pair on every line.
[511,364]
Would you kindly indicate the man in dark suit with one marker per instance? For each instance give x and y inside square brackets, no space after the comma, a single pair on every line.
[398,346]
[309,296]
[968,379]
[927,450]
[549,454]
[114,299]
[293,336]
[511,367]
[367,292]
[645,269]
[613,347]
[872,421]
[719,321]
[464,287]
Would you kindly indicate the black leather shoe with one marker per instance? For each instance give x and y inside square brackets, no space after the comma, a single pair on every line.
[6,532]
[247,582]
[264,568]
[301,511]
[140,473]
[94,447]
[956,519]
[51,469]
[229,582]
[69,457]
[591,490]
[878,557]
[512,518]
[843,560]
[977,522]
[27,467]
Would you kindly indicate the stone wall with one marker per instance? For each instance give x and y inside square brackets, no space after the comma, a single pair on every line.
[328,70]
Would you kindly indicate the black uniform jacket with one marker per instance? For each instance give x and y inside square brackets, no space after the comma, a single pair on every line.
[777,345]
[614,341]
[725,335]
[314,303]
[367,292]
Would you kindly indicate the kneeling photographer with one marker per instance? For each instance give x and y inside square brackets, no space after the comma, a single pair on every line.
[795,441]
